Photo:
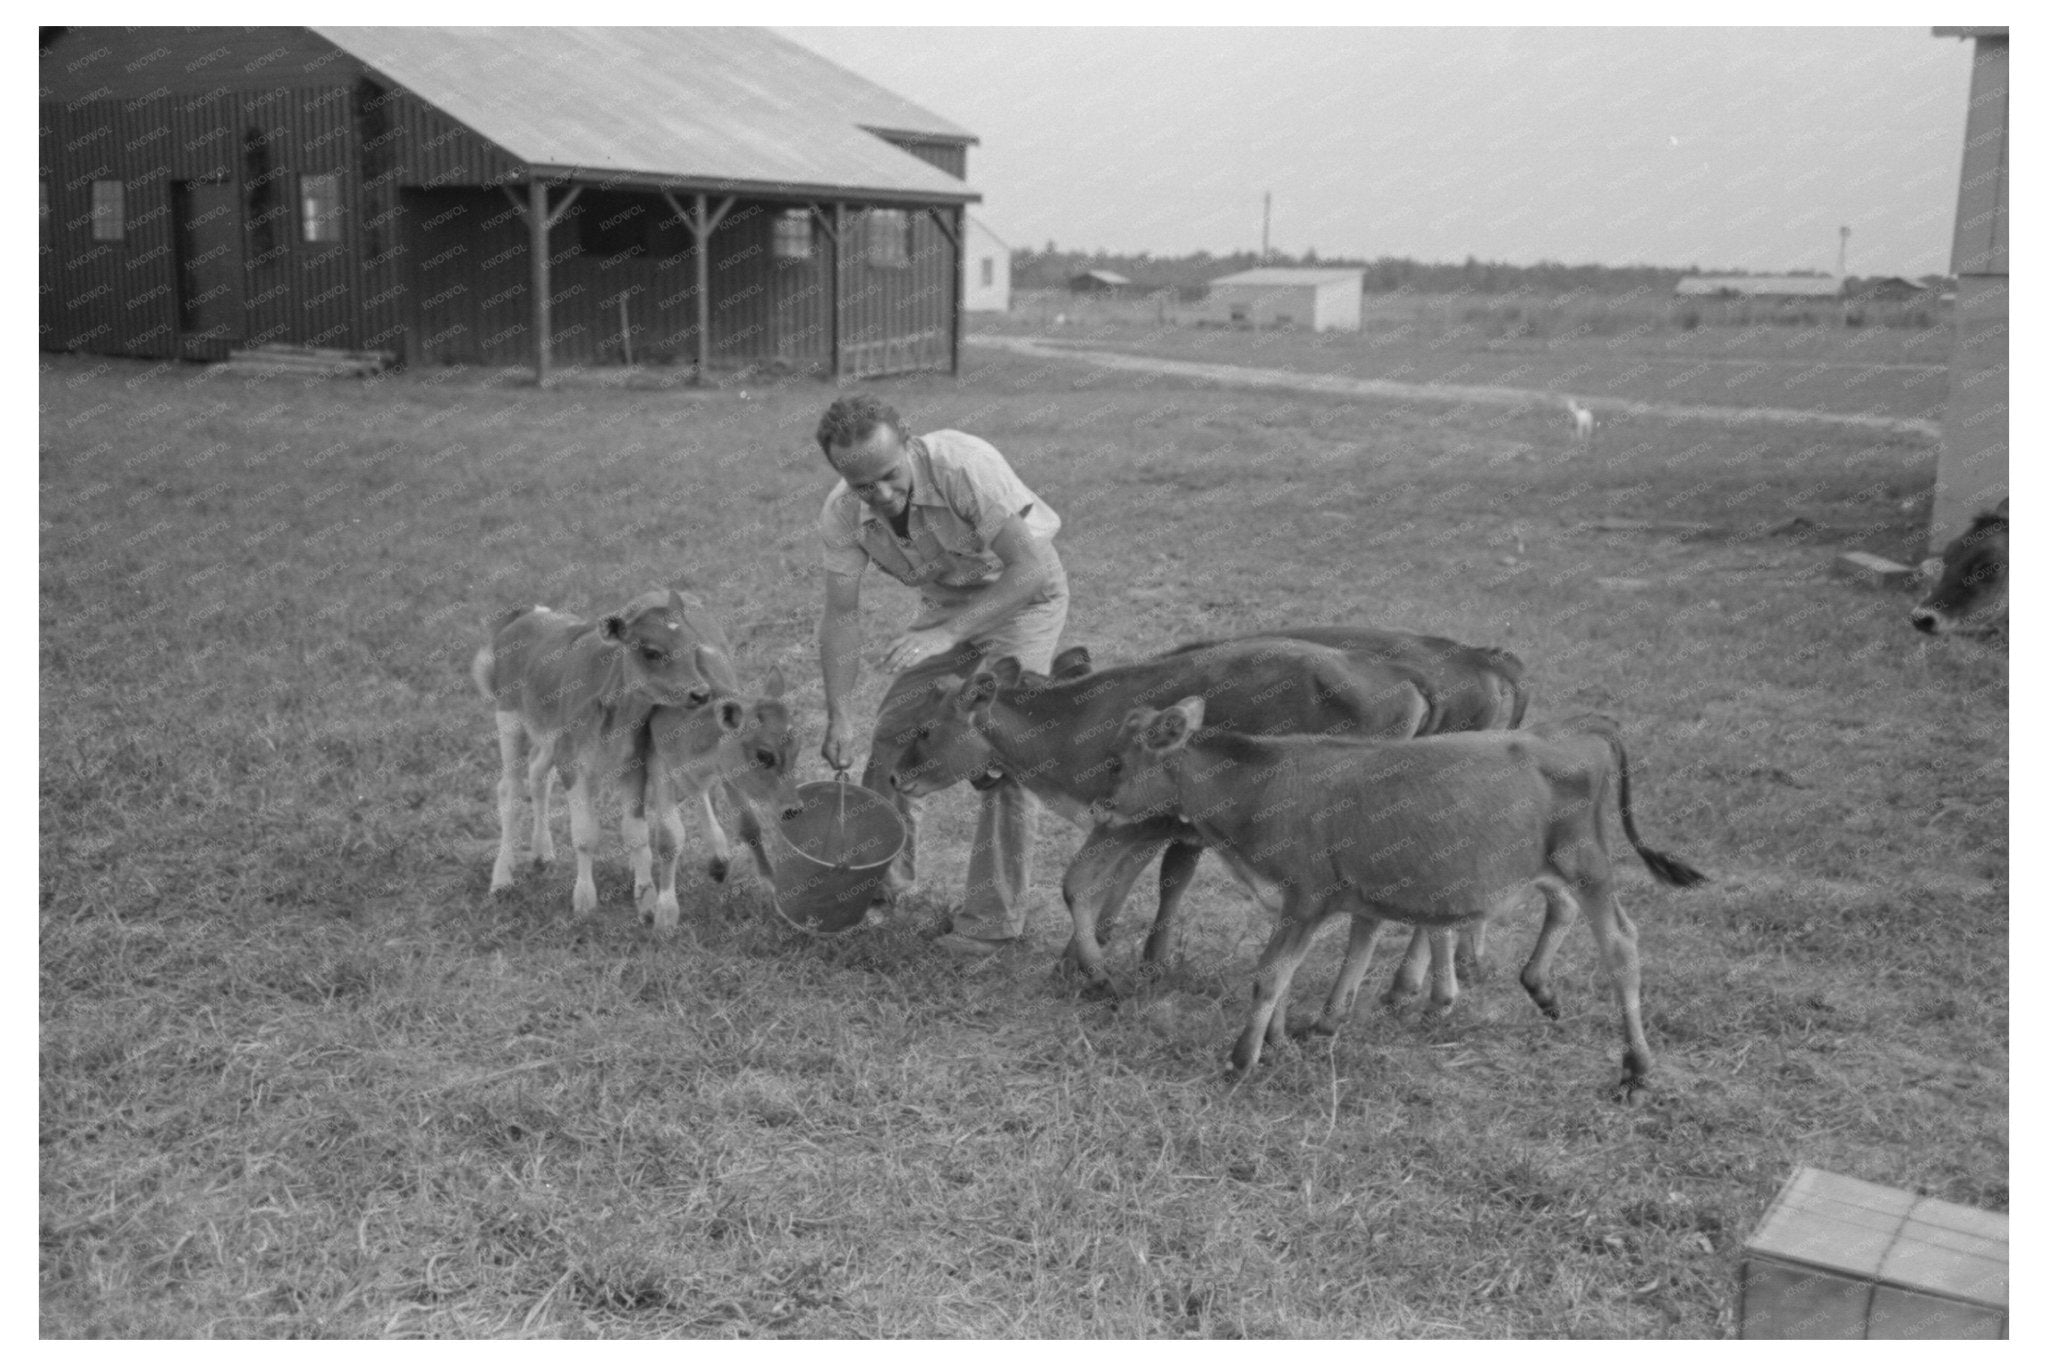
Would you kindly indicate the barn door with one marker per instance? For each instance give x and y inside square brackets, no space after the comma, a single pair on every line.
[209,246]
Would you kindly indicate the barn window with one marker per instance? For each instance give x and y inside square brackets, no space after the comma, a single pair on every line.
[109,211]
[793,235]
[320,207]
[988,272]
[888,238]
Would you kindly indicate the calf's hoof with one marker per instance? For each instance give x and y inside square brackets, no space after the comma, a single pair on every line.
[584,900]
[717,868]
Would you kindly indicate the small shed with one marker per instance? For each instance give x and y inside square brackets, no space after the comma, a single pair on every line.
[988,269]
[1885,289]
[1326,300]
[1759,287]
[1098,282]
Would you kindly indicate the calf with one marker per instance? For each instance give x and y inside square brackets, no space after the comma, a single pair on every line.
[1971,594]
[1436,833]
[1058,735]
[745,745]
[584,695]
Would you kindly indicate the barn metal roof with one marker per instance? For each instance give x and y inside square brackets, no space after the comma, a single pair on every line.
[736,107]
[1290,275]
[1780,286]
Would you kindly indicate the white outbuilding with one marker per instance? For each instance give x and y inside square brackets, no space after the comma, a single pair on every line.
[1321,298]
[988,269]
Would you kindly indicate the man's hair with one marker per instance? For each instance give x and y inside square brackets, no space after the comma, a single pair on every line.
[853,419]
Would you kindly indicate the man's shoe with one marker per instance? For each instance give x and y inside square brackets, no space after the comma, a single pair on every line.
[966,946]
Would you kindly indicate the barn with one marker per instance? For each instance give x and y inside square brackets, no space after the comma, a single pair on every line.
[712,197]
[988,269]
[1324,299]
[1975,465]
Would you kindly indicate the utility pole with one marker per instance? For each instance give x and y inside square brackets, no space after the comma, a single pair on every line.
[1842,257]
[1266,231]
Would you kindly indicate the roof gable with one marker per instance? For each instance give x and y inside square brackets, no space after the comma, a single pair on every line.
[726,104]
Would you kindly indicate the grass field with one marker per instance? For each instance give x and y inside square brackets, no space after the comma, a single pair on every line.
[301,1076]
[1593,348]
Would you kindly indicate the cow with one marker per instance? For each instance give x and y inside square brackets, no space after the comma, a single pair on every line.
[1057,735]
[1439,833]
[586,695]
[1971,593]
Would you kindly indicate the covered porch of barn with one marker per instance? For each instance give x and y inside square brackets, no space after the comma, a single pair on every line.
[556,271]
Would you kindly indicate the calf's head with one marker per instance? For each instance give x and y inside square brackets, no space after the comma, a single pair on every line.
[1146,758]
[663,657]
[946,748]
[757,748]
[1971,593]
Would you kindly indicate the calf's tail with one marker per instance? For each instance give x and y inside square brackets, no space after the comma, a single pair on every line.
[1671,871]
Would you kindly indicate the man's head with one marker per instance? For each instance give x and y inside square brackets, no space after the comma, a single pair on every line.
[862,438]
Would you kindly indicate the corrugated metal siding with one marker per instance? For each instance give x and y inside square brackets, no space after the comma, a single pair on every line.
[1980,241]
[434,151]
[304,292]
[152,63]
[895,318]
[122,297]
[116,298]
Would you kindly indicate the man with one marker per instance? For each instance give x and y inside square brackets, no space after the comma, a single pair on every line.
[946,515]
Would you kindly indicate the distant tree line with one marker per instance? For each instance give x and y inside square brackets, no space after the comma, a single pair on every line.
[1051,268]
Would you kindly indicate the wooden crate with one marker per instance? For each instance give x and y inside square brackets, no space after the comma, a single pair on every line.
[1834,1257]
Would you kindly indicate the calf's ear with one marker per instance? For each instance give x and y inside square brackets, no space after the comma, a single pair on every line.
[1007,671]
[732,713]
[775,683]
[1073,662]
[611,627]
[980,690]
[1166,730]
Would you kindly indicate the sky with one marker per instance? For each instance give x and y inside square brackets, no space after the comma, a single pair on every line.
[1744,148]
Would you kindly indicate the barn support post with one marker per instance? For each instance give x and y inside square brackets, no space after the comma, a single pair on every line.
[832,228]
[538,221]
[701,224]
[953,223]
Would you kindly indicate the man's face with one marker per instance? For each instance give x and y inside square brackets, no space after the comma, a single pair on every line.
[877,469]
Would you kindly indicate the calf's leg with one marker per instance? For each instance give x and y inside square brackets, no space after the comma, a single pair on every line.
[1560,909]
[583,834]
[1270,983]
[1176,871]
[511,732]
[1358,951]
[1616,935]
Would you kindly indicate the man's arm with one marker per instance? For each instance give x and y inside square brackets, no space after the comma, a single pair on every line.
[1029,562]
[839,663]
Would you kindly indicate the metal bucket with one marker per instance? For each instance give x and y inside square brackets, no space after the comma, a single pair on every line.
[831,859]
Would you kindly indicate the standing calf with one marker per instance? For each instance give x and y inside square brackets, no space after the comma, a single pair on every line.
[1436,833]
[642,699]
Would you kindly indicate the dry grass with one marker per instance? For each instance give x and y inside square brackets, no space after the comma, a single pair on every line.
[300,1076]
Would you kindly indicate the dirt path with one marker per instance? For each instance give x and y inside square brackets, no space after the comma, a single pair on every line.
[1491,395]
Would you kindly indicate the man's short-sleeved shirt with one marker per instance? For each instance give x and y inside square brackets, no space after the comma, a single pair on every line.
[963,492]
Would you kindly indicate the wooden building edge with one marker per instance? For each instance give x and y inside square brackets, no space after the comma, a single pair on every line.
[205,191]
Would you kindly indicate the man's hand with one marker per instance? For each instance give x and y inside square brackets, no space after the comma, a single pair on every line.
[838,747]
[915,647]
